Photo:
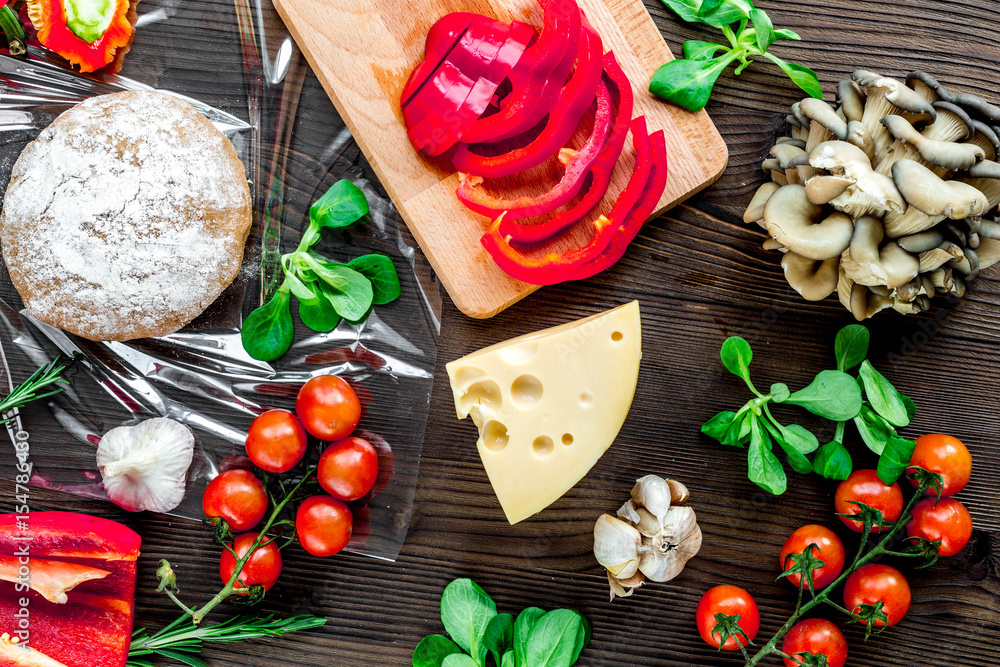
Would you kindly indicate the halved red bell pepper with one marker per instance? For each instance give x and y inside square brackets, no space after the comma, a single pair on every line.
[576,165]
[553,267]
[93,626]
[600,172]
[573,101]
[463,86]
[629,229]
[558,40]
[50,22]
[441,39]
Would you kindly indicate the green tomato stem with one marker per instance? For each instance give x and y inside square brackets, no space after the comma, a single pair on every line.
[823,596]
[230,587]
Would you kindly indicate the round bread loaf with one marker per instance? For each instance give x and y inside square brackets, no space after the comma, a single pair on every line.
[125,218]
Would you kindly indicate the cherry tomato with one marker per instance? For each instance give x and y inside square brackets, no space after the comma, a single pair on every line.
[817,636]
[323,525]
[238,497]
[328,407]
[727,600]
[348,468]
[264,566]
[830,551]
[276,441]
[873,582]
[945,455]
[949,522]
[865,486]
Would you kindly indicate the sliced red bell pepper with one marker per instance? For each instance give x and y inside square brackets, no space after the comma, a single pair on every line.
[93,626]
[573,101]
[576,165]
[558,40]
[600,172]
[629,229]
[49,19]
[441,39]
[462,87]
[554,267]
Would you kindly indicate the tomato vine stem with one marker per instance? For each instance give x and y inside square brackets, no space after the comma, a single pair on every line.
[926,481]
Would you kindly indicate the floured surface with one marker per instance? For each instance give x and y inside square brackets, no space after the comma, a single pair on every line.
[363,51]
[126,217]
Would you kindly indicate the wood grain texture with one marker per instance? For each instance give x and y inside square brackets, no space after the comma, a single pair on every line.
[700,275]
[364,51]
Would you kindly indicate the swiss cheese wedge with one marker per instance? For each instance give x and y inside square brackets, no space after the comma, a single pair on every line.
[549,404]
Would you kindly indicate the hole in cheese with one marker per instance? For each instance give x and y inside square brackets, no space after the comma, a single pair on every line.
[616,336]
[543,445]
[466,375]
[495,436]
[567,439]
[486,394]
[526,391]
[586,399]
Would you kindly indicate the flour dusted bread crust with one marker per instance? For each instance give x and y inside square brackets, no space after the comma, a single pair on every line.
[126,218]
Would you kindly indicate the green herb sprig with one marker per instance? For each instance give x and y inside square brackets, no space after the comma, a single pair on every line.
[326,290]
[688,81]
[535,638]
[869,400]
[181,642]
[47,378]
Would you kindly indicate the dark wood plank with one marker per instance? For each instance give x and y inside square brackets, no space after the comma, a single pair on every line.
[700,275]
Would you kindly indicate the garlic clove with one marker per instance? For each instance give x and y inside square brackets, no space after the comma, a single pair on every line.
[616,546]
[653,493]
[679,493]
[679,541]
[145,466]
[648,524]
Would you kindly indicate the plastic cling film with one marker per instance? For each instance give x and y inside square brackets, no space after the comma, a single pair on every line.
[235,63]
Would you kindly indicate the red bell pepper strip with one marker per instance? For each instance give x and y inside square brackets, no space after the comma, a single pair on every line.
[49,19]
[558,40]
[629,229]
[462,87]
[441,39]
[576,164]
[553,267]
[600,172]
[573,101]
[93,627]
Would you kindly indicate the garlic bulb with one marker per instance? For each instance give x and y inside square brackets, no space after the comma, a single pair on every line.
[651,539]
[145,466]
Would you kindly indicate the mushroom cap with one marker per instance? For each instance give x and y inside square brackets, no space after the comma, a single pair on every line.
[898,94]
[865,303]
[820,112]
[840,156]
[852,100]
[952,123]
[928,193]
[786,152]
[986,137]
[947,154]
[813,279]
[867,264]
[977,105]
[921,241]
[985,169]
[930,82]
[857,135]
[824,189]
[799,225]
[755,209]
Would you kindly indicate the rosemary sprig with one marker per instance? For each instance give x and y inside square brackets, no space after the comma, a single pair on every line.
[181,641]
[49,376]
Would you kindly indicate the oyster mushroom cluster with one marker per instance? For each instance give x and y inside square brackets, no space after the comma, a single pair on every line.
[653,537]
[889,199]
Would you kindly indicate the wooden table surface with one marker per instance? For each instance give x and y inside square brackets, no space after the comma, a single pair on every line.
[700,275]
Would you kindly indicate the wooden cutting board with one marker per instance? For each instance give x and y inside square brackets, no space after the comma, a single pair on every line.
[363,51]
